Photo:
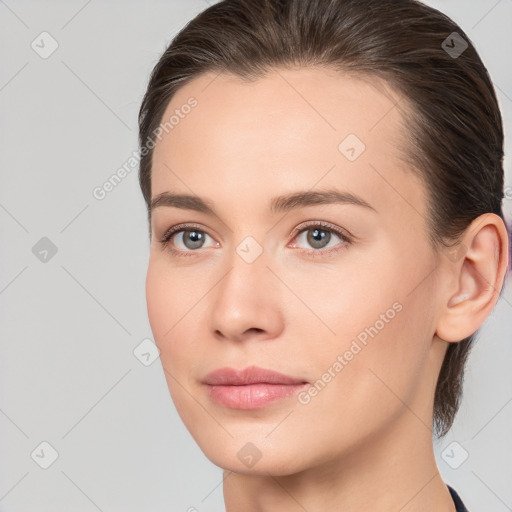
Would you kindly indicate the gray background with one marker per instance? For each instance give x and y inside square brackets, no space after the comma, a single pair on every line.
[69,326]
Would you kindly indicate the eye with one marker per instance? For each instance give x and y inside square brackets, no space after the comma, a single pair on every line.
[191,236]
[319,234]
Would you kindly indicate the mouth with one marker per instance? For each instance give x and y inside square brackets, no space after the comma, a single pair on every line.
[250,388]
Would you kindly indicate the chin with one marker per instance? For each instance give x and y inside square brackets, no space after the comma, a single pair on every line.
[258,456]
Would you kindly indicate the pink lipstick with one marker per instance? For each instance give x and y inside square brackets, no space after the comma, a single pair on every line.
[250,388]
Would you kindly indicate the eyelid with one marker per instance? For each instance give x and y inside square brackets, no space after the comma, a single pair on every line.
[179,227]
[342,233]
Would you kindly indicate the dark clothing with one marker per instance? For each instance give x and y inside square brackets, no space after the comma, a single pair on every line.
[459,506]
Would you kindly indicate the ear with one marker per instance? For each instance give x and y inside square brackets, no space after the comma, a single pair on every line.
[478,266]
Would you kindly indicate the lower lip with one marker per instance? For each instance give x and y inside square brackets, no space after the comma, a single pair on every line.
[251,396]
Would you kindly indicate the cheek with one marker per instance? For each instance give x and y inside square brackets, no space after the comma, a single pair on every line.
[337,302]
[173,306]
[373,356]
[367,389]
[159,301]
[168,294]
[165,307]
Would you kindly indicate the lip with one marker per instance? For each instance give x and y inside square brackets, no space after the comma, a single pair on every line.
[250,375]
[251,387]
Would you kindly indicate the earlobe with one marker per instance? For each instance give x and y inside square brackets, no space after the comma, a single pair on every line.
[478,278]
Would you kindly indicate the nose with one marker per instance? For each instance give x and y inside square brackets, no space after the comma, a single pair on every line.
[247,302]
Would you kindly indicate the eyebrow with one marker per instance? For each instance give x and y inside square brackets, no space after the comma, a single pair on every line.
[278,204]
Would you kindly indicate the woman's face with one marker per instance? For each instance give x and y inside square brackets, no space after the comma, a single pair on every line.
[338,293]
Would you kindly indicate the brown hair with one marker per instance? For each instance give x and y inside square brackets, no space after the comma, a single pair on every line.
[455,133]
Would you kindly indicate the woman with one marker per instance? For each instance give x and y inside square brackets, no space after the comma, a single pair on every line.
[323,181]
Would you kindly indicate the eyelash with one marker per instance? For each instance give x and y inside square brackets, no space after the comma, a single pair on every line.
[325,226]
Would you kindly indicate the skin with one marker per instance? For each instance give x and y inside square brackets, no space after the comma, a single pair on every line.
[364,442]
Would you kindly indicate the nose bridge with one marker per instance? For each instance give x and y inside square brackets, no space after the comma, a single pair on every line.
[247,297]
[248,269]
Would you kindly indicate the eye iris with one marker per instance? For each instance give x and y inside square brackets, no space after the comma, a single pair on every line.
[314,241]
[196,238]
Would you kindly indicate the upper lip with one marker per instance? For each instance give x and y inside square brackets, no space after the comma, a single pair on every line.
[250,375]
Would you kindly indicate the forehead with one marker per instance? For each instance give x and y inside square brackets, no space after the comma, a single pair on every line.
[305,103]
[286,131]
